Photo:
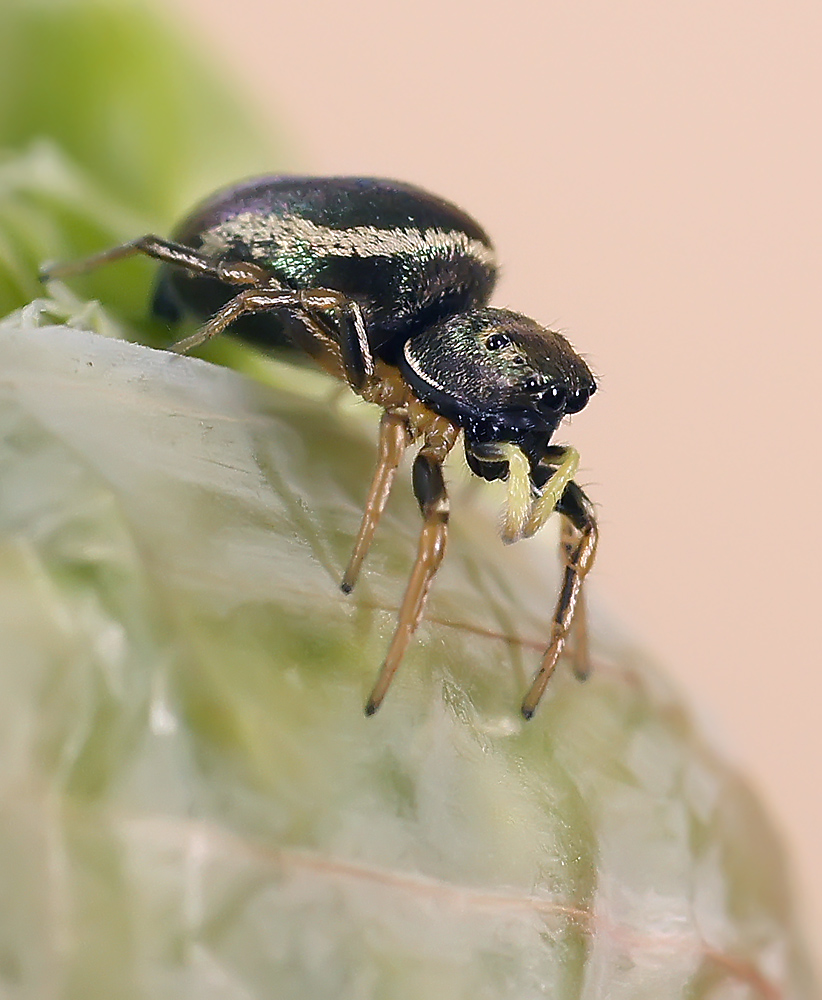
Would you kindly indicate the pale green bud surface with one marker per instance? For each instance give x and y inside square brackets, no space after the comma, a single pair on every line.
[193,802]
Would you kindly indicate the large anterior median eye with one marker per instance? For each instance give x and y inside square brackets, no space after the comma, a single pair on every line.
[554,397]
[576,400]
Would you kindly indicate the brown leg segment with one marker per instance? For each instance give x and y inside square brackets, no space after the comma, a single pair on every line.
[429,487]
[358,361]
[318,341]
[578,637]
[580,652]
[235,273]
[353,349]
[249,301]
[578,557]
[351,358]
[394,439]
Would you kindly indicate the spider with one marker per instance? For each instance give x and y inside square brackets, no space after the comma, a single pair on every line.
[386,287]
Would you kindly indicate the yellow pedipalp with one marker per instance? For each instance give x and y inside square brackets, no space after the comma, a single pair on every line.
[520,500]
[546,502]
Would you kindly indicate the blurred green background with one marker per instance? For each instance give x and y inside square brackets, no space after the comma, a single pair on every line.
[111,125]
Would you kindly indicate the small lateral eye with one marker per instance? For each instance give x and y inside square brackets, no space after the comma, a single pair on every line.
[554,397]
[497,341]
[533,384]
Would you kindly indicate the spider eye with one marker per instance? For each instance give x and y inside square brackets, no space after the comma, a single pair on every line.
[533,384]
[554,397]
[497,341]
[577,400]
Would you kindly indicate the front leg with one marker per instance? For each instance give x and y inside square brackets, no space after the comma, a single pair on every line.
[577,645]
[579,555]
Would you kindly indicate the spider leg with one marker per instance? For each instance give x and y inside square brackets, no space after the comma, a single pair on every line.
[358,361]
[578,555]
[394,439]
[347,359]
[250,300]
[577,645]
[352,353]
[234,272]
[311,306]
[431,494]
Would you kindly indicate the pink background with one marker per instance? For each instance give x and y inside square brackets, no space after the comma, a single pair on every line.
[650,171]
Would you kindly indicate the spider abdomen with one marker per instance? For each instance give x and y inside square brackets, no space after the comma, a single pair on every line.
[408,258]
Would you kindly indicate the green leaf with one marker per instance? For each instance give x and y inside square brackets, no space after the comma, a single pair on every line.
[191,793]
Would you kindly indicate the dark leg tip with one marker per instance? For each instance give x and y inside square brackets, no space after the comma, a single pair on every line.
[370,708]
[527,713]
[346,587]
